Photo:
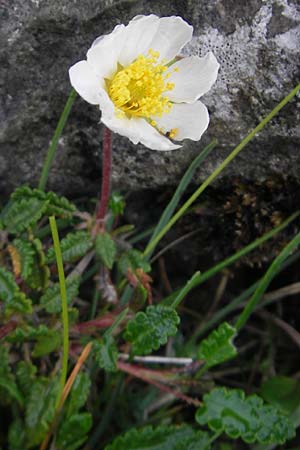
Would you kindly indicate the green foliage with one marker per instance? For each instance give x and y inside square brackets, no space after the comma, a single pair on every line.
[161,438]
[74,246]
[151,329]
[282,392]
[106,249]
[8,388]
[116,204]
[27,332]
[39,276]
[25,376]
[132,260]
[47,344]
[23,214]
[230,411]
[51,300]
[8,286]
[14,300]
[73,431]
[79,394]
[16,435]
[26,252]
[40,409]
[56,205]
[218,346]
[106,353]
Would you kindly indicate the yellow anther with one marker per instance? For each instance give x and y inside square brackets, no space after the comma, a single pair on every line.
[138,90]
[173,132]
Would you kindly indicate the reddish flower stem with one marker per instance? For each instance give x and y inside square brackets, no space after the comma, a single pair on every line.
[106,174]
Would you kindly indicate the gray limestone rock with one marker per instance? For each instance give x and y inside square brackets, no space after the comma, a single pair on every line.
[256,42]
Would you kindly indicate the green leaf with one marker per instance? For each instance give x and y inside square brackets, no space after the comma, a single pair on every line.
[218,346]
[73,246]
[24,213]
[230,411]
[40,273]
[51,300]
[26,332]
[73,432]
[16,435]
[40,409]
[106,249]
[79,394]
[106,353]
[26,251]
[47,344]
[25,375]
[117,204]
[19,304]
[132,260]
[56,205]
[8,387]
[161,438]
[282,392]
[151,329]
[14,300]
[8,286]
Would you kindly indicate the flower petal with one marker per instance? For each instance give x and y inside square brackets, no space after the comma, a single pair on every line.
[151,138]
[85,82]
[139,130]
[190,120]
[195,76]
[105,52]
[171,36]
[137,38]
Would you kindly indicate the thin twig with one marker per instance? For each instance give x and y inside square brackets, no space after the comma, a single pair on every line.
[158,360]
[289,330]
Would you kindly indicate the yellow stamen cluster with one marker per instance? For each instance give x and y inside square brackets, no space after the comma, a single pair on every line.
[138,89]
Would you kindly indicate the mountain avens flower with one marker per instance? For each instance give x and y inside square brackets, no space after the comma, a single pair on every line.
[144,91]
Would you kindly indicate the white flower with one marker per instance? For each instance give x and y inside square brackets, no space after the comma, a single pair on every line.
[143,92]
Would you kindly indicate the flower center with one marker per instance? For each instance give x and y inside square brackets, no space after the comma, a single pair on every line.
[138,89]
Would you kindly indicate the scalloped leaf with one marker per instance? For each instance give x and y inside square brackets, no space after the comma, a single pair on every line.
[56,205]
[8,387]
[26,253]
[229,410]
[106,249]
[25,375]
[8,286]
[132,260]
[79,394]
[40,274]
[40,409]
[51,300]
[23,214]
[73,431]
[73,246]
[151,329]
[106,353]
[16,435]
[26,332]
[162,438]
[218,346]
[14,300]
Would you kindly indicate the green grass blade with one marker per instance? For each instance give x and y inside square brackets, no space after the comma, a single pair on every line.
[266,280]
[233,305]
[194,281]
[186,179]
[219,169]
[64,302]
[54,142]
